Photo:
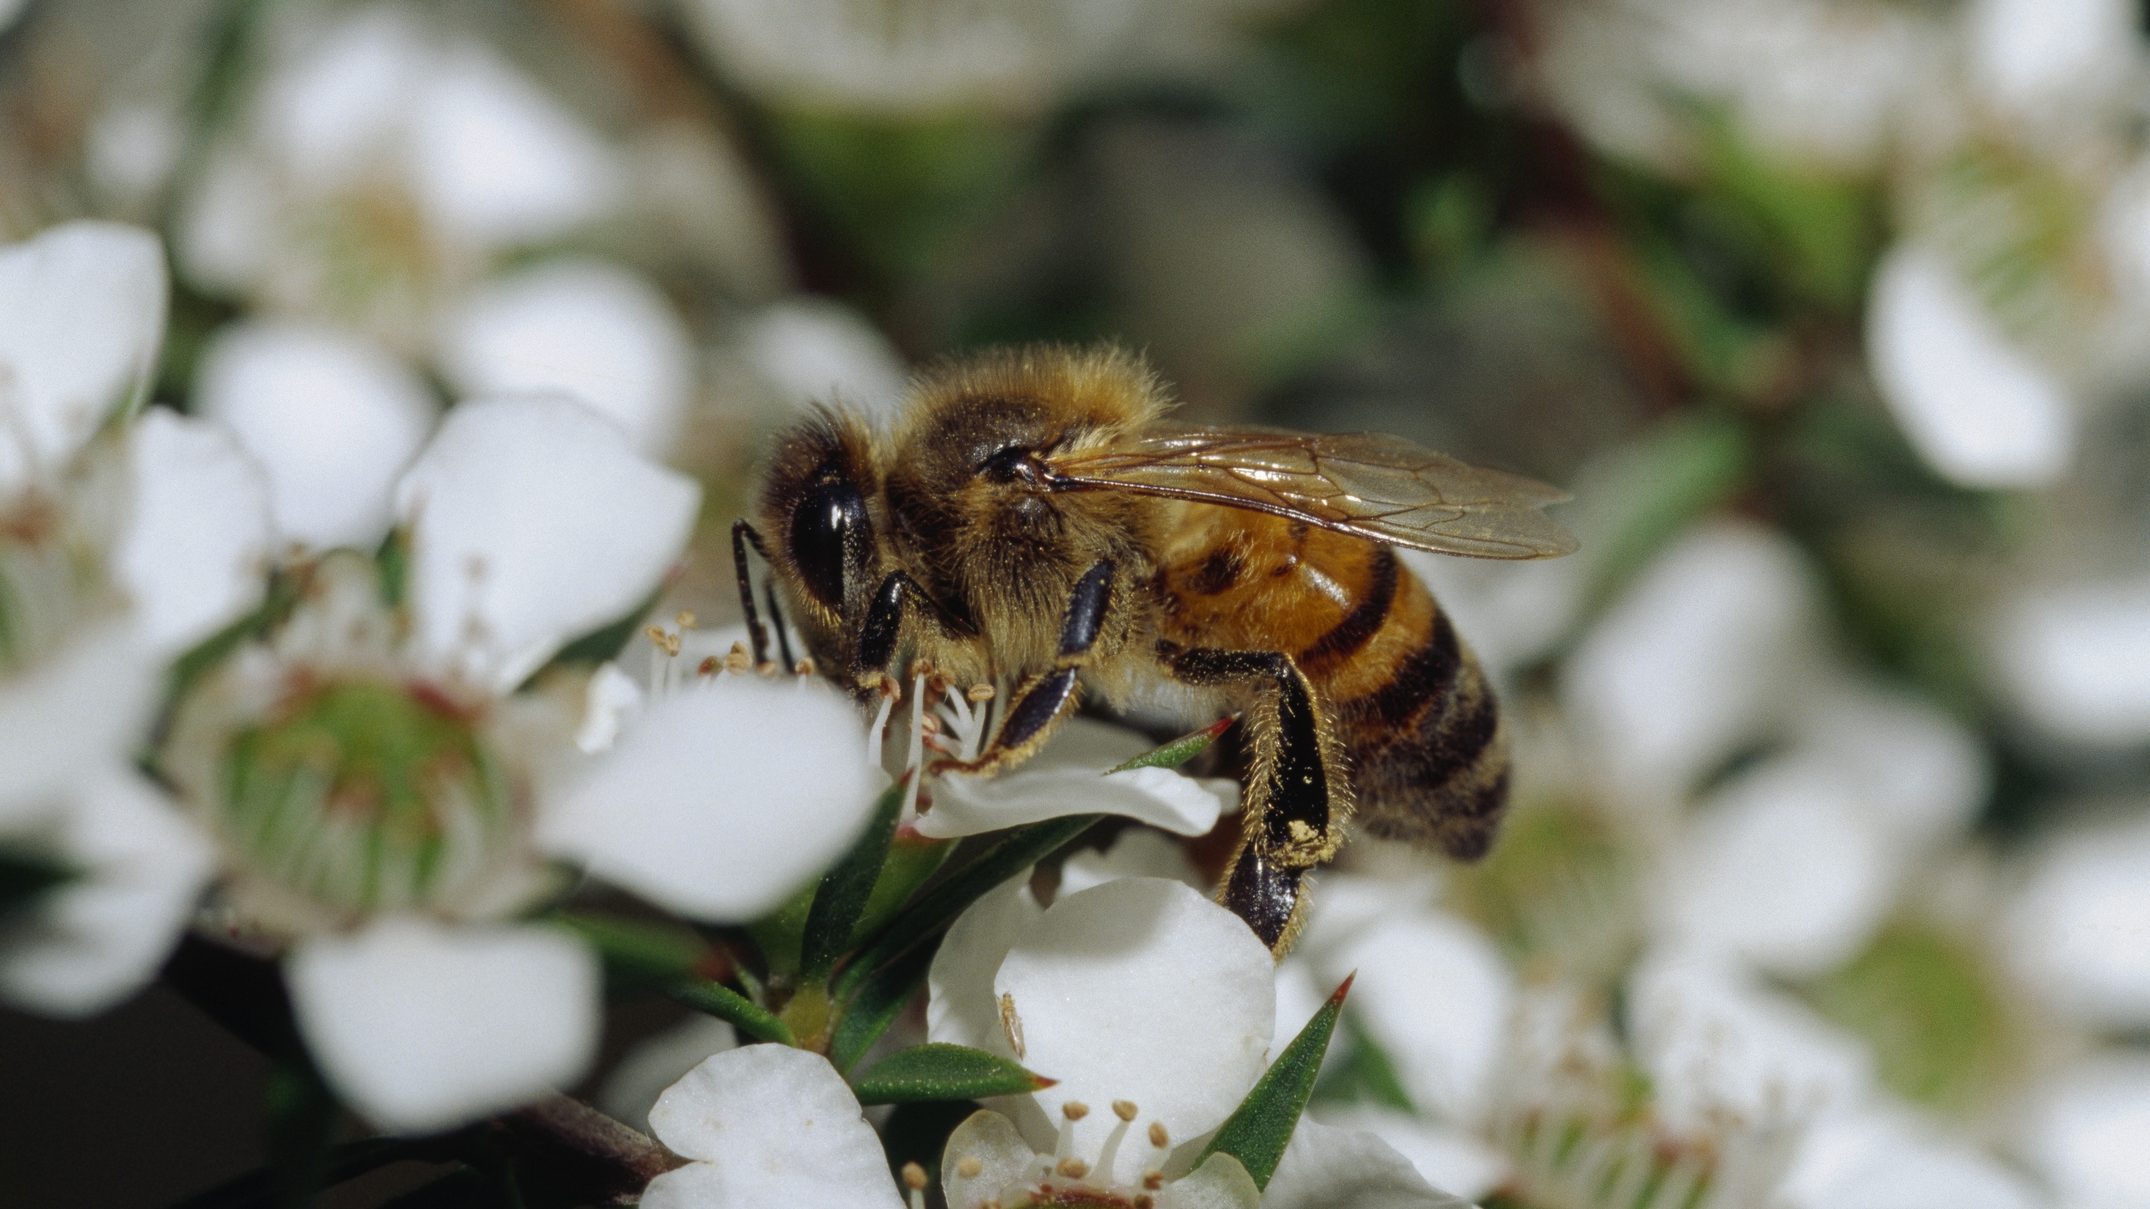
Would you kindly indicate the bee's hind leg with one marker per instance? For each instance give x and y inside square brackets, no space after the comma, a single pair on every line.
[1042,701]
[1297,793]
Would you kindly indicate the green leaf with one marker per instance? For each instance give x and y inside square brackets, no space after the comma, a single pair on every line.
[841,900]
[1179,750]
[939,906]
[912,860]
[716,999]
[876,1005]
[641,949]
[25,876]
[940,1071]
[1258,1130]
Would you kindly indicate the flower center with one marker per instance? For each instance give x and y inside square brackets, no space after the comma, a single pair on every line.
[48,581]
[366,795]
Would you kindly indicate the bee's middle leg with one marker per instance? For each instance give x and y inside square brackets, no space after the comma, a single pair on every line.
[1043,700]
[1297,791]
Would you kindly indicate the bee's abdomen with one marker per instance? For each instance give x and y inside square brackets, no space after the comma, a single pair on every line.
[1420,725]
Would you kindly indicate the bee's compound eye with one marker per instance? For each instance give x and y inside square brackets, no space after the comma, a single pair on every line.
[830,530]
[1011,463]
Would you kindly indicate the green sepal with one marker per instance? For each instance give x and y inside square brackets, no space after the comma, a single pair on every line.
[1179,750]
[875,1006]
[393,557]
[1259,1129]
[938,907]
[24,877]
[639,950]
[940,1071]
[841,899]
[715,999]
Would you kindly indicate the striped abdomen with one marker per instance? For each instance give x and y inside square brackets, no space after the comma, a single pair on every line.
[1413,712]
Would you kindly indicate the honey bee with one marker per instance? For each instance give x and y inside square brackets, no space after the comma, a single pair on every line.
[1034,520]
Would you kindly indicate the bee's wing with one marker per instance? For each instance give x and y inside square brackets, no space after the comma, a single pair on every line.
[1379,487]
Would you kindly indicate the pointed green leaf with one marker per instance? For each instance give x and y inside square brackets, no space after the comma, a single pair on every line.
[939,906]
[1179,750]
[913,859]
[639,949]
[875,1006]
[716,999]
[841,900]
[940,1071]
[1257,1131]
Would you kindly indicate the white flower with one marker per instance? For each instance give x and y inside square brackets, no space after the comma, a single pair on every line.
[119,547]
[2085,1128]
[387,794]
[768,1125]
[1978,407]
[2075,930]
[380,166]
[2075,659]
[582,327]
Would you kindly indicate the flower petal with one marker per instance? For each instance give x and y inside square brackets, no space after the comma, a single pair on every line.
[1979,409]
[632,1088]
[2076,929]
[1221,1182]
[81,318]
[772,1125]
[332,419]
[1884,1159]
[1437,996]
[1068,778]
[1005,1162]
[82,706]
[721,799]
[2075,659]
[195,551]
[2087,1129]
[1451,1159]
[583,328]
[961,1006]
[531,522]
[422,1026]
[1324,1167]
[95,941]
[1730,888]
[1140,989]
[1135,852]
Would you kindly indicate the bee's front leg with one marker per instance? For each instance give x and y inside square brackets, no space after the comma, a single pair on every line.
[1298,796]
[1043,700]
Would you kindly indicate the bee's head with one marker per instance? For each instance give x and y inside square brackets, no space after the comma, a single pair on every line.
[815,512]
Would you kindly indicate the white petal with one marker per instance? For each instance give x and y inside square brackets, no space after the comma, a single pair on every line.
[1979,409]
[331,418]
[81,318]
[1696,658]
[632,1088]
[962,1007]
[1453,1160]
[1221,1182]
[420,1025]
[1005,1162]
[498,162]
[822,351]
[1324,1168]
[1437,996]
[722,799]
[611,702]
[2075,658]
[195,552]
[97,940]
[2038,56]
[85,705]
[1921,774]
[343,93]
[772,1125]
[1067,778]
[583,328]
[2076,929]
[1140,989]
[1135,852]
[1712,1042]
[532,522]
[1883,1159]
[2087,1129]
[1742,881]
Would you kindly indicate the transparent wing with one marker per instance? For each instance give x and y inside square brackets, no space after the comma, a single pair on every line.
[1379,487]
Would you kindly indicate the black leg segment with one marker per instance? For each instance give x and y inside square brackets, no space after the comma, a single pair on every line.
[743,535]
